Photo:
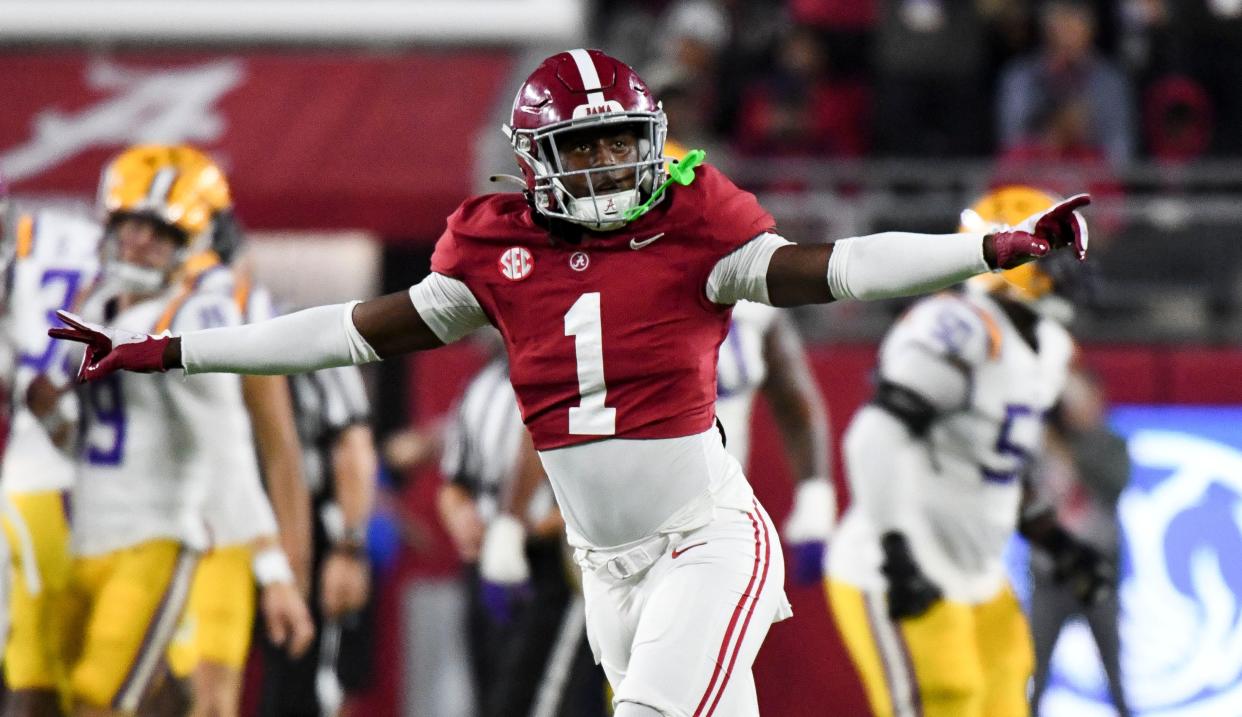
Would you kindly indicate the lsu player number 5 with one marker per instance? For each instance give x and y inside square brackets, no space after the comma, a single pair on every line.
[937,464]
[612,290]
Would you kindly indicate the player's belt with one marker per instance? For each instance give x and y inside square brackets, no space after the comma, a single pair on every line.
[628,563]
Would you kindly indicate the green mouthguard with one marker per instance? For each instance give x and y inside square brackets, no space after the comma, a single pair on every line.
[680,171]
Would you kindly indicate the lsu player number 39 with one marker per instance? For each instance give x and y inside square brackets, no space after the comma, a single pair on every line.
[612,303]
[938,463]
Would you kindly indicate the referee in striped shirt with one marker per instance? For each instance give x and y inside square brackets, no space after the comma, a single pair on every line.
[527,633]
[332,415]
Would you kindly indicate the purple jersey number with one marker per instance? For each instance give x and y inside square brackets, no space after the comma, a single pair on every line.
[107,405]
[68,280]
[1006,447]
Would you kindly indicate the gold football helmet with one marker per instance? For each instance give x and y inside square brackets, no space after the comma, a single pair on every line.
[176,185]
[999,209]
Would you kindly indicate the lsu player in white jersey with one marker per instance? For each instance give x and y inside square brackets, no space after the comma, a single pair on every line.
[937,465]
[53,257]
[762,353]
[152,449]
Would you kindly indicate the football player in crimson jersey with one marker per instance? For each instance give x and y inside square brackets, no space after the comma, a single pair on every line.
[612,292]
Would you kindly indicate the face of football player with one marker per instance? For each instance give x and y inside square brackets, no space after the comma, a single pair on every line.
[596,148]
[147,243]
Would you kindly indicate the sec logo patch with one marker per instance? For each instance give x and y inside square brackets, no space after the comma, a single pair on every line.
[579,261]
[516,263]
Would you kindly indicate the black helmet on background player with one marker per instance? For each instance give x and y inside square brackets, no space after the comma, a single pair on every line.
[576,90]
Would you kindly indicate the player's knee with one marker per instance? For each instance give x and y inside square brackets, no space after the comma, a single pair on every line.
[634,709]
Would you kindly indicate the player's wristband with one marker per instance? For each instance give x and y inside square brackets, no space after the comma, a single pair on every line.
[271,567]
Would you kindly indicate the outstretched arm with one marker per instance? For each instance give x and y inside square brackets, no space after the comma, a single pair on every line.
[894,264]
[388,326]
[434,312]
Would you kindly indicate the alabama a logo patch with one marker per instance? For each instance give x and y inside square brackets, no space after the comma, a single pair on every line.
[579,261]
[516,263]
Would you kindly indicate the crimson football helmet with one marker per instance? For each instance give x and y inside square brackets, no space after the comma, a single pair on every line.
[571,91]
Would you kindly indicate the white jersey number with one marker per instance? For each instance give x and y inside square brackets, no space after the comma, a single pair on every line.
[590,416]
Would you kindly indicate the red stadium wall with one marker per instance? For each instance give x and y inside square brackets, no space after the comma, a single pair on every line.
[803,670]
[380,141]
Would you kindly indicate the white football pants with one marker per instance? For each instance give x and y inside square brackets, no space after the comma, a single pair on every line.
[681,637]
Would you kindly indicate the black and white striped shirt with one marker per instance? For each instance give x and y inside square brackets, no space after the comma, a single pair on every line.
[481,446]
[325,403]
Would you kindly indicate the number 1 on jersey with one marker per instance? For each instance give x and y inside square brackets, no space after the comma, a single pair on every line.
[590,417]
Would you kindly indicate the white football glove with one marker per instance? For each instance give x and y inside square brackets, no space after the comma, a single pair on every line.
[814,512]
[502,559]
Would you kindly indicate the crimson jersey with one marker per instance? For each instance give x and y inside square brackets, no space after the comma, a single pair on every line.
[614,336]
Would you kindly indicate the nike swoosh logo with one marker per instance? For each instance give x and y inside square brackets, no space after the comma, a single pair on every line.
[636,244]
[677,553]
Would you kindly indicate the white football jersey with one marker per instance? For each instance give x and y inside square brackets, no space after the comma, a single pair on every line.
[155,445]
[57,259]
[969,489]
[740,370]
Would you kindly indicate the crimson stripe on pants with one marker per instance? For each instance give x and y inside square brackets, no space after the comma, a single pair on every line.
[737,611]
[763,579]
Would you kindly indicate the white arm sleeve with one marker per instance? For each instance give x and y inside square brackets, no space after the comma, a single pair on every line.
[882,457]
[743,274]
[447,306]
[308,340]
[882,266]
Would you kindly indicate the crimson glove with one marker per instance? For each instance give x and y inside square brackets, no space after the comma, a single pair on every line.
[110,350]
[1060,226]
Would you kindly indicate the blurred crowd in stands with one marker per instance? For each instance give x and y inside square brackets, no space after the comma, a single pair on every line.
[1101,82]
[942,98]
